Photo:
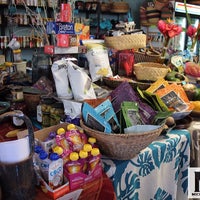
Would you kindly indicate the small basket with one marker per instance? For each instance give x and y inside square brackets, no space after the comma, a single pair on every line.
[146,57]
[122,146]
[123,42]
[119,7]
[150,71]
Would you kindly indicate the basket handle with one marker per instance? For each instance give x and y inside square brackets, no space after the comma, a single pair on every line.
[28,123]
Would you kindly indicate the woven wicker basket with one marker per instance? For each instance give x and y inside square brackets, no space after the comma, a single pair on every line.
[150,71]
[145,57]
[113,83]
[123,42]
[119,7]
[122,146]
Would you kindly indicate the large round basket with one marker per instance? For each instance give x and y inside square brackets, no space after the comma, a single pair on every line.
[122,146]
[123,42]
[114,83]
[150,71]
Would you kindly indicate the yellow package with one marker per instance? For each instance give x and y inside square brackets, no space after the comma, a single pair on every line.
[160,83]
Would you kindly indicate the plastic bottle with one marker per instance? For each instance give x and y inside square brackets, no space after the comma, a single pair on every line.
[55,171]
[61,140]
[83,159]
[73,166]
[44,165]
[36,160]
[64,154]
[87,147]
[94,159]
[92,141]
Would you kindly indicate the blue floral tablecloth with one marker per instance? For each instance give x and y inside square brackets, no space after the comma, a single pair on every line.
[159,172]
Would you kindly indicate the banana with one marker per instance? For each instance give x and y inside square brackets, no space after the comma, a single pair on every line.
[12,133]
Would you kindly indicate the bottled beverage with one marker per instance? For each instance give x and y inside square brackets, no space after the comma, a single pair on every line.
[36,160]
[87,147]
[63,153]
[92,141]
[94,159]
[55,171]
[83,160]
[73,166]
[44,165]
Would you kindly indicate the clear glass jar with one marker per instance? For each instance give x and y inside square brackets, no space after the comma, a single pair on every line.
[56,113]
[43,110]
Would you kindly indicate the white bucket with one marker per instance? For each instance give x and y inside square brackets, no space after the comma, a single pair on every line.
[14,151]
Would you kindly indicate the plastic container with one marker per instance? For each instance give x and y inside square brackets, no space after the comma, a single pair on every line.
[44,165]
[83,160]
[55,171]
[73,166]
[94,159]
[17,178]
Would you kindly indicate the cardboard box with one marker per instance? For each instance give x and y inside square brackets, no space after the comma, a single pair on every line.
[78,180]
[73,181]
[56,193]
[68,28]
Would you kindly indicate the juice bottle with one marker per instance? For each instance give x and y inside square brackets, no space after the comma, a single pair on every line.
[55,171]
[92,141]
[83,159]
[44,165]
[73,166]
[94,159]
[36,160]
[63,153]
[87,147]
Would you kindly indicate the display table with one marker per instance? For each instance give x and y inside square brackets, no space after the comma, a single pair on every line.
[157,172]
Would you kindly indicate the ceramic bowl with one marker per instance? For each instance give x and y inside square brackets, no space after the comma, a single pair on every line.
[4,106]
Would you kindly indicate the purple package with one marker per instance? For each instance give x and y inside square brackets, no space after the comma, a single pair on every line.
[125,92]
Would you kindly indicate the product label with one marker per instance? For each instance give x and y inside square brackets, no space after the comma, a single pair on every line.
[56,173]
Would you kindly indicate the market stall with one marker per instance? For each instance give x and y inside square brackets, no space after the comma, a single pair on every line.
[109,114]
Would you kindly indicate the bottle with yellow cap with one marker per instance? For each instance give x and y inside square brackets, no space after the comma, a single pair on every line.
[73,166]
[87,147]
[83,160]
[94,159]
[61,140]
[64,154]
[92,141]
